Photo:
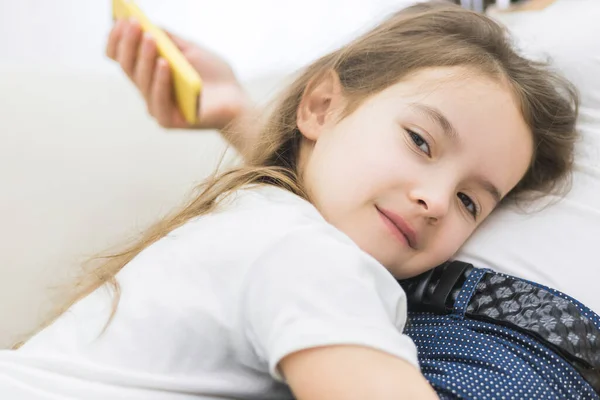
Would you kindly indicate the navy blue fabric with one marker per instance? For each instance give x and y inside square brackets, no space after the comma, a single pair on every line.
[464,358]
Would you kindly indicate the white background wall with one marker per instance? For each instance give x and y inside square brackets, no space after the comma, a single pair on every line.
[256,36]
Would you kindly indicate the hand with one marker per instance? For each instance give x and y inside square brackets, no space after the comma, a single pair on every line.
[222,98]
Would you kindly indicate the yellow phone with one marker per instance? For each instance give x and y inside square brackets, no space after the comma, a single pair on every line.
[186,80]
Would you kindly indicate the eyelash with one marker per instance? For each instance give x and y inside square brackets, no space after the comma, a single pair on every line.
[419,141]
[415,137]
[475,210]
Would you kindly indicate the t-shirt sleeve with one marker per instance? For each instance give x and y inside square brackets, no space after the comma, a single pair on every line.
[312,288]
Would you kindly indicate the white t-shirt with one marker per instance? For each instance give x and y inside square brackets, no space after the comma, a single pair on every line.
[209,311]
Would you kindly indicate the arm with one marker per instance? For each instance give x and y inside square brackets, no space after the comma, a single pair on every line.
[352,372]
[243,131]
[224,105]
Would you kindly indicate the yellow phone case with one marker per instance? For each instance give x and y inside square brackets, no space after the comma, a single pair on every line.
[186,80]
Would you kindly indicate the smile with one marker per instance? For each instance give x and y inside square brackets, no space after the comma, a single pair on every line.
[398,227]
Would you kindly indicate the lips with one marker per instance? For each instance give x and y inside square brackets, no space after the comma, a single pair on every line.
[401,225]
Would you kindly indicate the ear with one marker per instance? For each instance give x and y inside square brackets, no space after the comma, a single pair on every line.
[320,106]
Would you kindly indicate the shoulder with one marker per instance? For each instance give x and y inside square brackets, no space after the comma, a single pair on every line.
[293,230]
[272,203]
[265,214]
[251,222]
[315,263]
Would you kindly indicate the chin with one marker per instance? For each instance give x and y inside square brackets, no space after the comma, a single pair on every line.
[397,264]
[410,269]
[401,272]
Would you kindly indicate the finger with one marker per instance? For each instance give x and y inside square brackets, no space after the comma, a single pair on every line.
[128,48]
[145,65]
[114,37]
[162,94]
[177,119]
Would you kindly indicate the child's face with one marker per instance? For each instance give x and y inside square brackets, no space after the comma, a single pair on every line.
[416,168]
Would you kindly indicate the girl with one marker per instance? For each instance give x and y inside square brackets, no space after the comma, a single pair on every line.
[280,277]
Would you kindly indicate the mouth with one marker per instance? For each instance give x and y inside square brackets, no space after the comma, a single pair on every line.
[399,227]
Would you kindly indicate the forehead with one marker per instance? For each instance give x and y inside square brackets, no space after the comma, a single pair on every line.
[494,137]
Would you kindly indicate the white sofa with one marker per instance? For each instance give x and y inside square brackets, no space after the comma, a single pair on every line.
[82,168]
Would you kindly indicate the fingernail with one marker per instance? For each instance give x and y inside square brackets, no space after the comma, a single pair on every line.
[147,36]
[133,20]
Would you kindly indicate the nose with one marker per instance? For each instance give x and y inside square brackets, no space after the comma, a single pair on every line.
[433,203]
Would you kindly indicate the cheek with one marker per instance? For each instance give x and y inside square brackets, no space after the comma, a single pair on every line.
[350,165]
[333,180]
[449,240]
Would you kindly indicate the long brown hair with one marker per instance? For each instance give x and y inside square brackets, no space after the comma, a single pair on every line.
[434,34]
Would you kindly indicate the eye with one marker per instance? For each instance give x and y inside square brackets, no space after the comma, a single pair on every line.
[469,204]
[419,142]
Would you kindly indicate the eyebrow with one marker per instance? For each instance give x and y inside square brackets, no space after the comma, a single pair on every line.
[490,188]
[438,118]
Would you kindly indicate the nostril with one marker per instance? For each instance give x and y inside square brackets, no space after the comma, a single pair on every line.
[421,202]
